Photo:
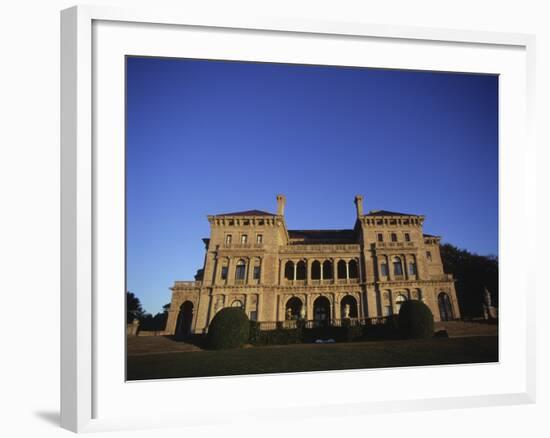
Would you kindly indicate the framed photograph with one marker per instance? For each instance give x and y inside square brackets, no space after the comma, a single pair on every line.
[264,217]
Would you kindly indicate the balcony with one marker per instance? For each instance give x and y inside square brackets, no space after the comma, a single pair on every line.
[243,245]
[394,245]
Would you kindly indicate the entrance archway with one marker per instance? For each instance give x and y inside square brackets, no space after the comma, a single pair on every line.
[350,301]
[293,308]
[445,307]
[321,311]
[185,318]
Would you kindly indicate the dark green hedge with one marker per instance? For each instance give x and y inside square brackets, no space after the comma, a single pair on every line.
[415,320]
[230,328]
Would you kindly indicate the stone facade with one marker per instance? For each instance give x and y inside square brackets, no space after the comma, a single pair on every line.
[275,274]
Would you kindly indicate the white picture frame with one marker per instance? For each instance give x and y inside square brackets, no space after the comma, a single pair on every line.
[83,371]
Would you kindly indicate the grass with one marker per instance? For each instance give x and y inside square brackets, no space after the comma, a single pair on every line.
[314,357]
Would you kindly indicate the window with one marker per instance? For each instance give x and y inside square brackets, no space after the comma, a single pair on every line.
[384,269]
[316,270]
[240,270]
[253,315]
[397,266]
[429,255]
[224,273]
[237,303]
[399,301]
[259,238]
[244,238]
[407,237]
[380,237]
[412,268]
[289,270]
[352,269]
[228,239]
[256,273]
[393,237]
[301,270]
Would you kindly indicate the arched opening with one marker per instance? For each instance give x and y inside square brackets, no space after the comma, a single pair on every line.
[316,270]
[353,269]
[289,270]
[321,311]
[445,307]
[412,267]
[341,269]
[397,266]
[327,270]
[240,270]
[237,303]
[349,307]
[301,271]
[399,300]
[293,308]
[185,318]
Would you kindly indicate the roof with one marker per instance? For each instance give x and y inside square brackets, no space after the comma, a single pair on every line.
[431,235]
[388,213]
[248,213]
[322,236]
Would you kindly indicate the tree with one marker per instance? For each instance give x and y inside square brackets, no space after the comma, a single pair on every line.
[157,322]
[472,273]
[133,307]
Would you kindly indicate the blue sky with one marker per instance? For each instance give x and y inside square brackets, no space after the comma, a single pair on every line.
[206,137]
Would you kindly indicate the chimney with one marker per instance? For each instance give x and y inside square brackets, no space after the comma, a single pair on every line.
[359,205]
[281,200]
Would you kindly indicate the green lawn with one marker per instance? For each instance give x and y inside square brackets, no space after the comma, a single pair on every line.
[314,357]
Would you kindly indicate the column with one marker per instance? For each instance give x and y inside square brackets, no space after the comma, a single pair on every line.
[281,271]
[389,265]
[347,271]
[230,273]
[259,306]
[249,269]
[295,267]
[406,267]
[334,271]
[308,271]
[337,314]
[322,277]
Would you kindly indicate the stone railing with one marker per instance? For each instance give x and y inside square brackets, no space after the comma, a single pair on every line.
[299,248]
[187,284]
[442,277]
[243,245]
[293,323]
[392,245]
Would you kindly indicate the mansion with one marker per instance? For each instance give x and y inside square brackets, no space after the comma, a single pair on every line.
[277,275]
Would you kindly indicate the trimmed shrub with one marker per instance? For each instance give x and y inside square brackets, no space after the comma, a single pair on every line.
[230,328]
[415,320]
[382,332]
[255,333]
